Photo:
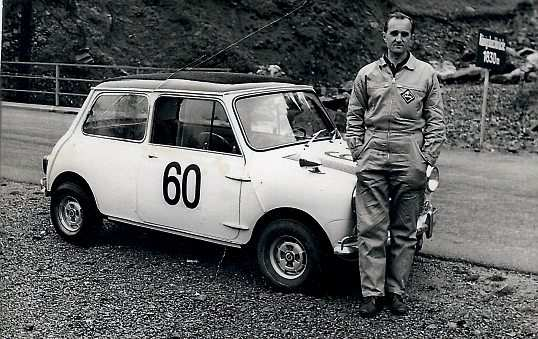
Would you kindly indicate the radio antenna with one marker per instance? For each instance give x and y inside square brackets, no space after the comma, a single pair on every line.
[204,58]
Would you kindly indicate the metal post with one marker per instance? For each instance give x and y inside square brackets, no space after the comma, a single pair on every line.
[484,104]
[1,32]
[57,91]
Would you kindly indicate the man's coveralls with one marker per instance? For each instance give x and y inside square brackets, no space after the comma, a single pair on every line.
[395,127]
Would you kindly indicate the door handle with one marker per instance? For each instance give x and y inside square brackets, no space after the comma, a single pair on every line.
[151,156]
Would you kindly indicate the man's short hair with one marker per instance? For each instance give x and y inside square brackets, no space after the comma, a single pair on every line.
[399,15]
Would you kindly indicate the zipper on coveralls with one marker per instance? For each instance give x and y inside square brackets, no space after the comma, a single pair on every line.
[390,115]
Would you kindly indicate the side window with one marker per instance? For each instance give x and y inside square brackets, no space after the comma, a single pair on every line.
[121,116]
[193,123]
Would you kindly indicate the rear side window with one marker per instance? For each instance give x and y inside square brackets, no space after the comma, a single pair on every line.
[193,123]
[122,116]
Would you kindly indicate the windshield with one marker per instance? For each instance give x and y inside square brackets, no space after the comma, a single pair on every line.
[278,119]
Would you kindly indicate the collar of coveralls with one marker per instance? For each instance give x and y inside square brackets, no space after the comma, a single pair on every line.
[408,62]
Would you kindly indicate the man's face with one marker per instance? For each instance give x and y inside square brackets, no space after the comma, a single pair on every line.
[398,36]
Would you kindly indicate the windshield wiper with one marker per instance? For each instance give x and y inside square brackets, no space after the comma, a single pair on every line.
[303,161]
[335,132]
[314,136]
[303,158]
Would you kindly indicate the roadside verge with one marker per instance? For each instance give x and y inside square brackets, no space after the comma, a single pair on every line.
[45,108]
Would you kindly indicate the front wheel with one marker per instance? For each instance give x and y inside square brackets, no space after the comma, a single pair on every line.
[73,213]
[290,254]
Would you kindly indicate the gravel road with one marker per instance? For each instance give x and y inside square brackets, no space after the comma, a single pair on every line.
[138,284]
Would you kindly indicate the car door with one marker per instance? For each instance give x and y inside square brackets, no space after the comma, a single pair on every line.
[109,148]
[189,179]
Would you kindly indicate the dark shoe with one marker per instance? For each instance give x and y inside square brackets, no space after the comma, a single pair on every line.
[370,307]
[396,304]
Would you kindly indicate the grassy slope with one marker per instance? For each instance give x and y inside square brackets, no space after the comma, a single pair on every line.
[511,111]
[327,41]
[458,7]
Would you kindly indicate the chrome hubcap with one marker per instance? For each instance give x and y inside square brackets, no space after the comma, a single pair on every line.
[288,257]
[70,214]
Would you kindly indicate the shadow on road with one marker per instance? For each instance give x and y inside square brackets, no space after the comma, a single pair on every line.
[340,279]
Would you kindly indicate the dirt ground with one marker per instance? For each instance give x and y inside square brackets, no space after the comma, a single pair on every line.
[138,284]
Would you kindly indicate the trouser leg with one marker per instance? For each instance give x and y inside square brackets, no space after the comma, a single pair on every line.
[372,225]
[404,212]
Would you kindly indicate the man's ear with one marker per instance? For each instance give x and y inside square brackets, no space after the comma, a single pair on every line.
[385,37]
[412,40]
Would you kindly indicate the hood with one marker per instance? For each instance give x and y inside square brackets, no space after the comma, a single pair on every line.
[335,155]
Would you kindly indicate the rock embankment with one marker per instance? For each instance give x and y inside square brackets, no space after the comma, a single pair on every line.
[511,115]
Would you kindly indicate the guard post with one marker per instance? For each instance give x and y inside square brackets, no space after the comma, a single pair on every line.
[1,32]
[490,54]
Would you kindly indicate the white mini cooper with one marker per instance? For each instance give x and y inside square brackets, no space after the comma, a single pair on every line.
[229,158]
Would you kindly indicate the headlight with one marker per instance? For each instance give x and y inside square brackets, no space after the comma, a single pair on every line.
[432,175]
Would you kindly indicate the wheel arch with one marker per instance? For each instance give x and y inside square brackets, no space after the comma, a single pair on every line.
[74,178]
[289,213]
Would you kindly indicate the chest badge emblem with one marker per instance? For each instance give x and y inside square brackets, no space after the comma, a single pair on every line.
[408,96]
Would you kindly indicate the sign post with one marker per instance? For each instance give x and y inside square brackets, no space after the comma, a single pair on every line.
[483,110]
[1,33]
[490,54]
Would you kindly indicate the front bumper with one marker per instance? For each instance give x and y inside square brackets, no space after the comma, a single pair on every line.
[43,184]
[427,221]
[349,245]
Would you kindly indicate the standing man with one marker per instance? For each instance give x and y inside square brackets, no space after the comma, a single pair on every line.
[395,128]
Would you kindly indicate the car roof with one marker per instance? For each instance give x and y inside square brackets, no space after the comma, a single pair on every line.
[199,81]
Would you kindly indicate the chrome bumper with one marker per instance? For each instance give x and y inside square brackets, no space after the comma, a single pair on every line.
[43,184]
[426,221]
[349,245]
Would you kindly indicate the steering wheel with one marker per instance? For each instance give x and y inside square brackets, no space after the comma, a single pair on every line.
[218,142]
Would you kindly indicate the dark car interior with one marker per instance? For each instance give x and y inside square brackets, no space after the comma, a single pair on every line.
[193,123]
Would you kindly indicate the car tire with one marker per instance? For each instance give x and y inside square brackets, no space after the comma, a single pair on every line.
[74,213]
[290,255]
